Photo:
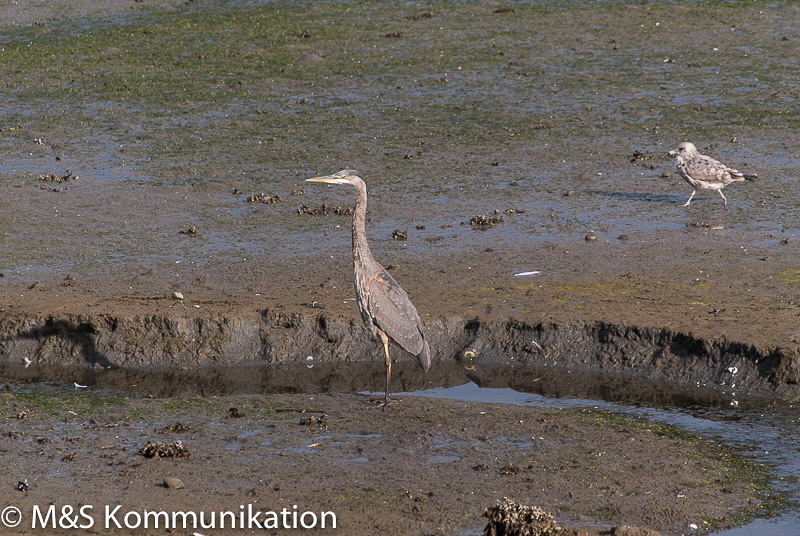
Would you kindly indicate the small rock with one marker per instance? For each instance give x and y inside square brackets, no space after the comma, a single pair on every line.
[54,177]
[509,517]
[324,210]
[263,198]
[397,234]
[308,421]
[423,15]
[590,237]
[157,449]
[510,470]
[173,429]
[177,295]
[623,237]
[234,413]
[485,221]
[173,483]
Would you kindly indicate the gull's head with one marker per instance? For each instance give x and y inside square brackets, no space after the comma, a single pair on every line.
[685,149]
[345,176]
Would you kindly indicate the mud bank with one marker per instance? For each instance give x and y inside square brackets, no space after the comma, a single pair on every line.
[59,347]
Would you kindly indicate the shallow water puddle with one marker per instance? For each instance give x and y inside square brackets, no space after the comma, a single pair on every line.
[768,434]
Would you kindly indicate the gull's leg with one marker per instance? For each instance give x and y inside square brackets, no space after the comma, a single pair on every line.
[686,204]
[723,197]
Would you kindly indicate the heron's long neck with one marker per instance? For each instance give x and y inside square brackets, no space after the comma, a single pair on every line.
[361,253]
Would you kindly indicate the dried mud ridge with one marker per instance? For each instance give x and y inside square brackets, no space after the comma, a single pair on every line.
[54,344]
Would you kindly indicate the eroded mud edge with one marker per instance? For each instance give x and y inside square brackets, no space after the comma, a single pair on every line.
[40,348]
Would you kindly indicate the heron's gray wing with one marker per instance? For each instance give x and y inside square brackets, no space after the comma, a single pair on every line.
[704,168]
[392,311]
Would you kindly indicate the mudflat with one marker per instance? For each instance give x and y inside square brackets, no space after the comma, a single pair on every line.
[155,148]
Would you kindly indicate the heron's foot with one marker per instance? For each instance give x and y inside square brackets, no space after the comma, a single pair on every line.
[383,404]
[686,204]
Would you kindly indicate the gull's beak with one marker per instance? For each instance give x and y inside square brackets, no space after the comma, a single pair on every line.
[330,179]
[673,153]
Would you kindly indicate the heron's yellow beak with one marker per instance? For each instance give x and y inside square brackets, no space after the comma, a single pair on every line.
[330,179]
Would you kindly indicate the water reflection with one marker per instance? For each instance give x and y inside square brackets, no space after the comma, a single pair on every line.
[314,376]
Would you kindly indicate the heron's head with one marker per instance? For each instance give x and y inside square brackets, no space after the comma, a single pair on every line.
[346,176]
[685,149]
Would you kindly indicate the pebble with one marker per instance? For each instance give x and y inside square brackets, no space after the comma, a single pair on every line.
[174,483]
[177,295]
[590,237]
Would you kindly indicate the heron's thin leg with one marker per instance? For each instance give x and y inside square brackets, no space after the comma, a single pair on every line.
[387,397]
[723,197]
[686,204]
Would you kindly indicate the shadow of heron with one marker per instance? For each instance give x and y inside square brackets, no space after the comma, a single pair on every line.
[82,336]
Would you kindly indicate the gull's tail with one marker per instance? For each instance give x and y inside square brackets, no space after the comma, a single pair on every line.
[737,175]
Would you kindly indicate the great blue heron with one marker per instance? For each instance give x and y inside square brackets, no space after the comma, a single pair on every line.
[703,172]
[384,305]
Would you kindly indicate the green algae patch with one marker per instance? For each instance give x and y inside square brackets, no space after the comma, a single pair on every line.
[601,288]
[789,276]
[726,469]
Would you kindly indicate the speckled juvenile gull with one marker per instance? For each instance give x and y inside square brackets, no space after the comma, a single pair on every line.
[703,172]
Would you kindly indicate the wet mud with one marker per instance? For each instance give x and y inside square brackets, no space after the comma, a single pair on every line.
[134,133]
[341,453]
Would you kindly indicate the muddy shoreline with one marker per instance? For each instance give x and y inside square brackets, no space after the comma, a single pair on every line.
[84,346]
[736,338]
